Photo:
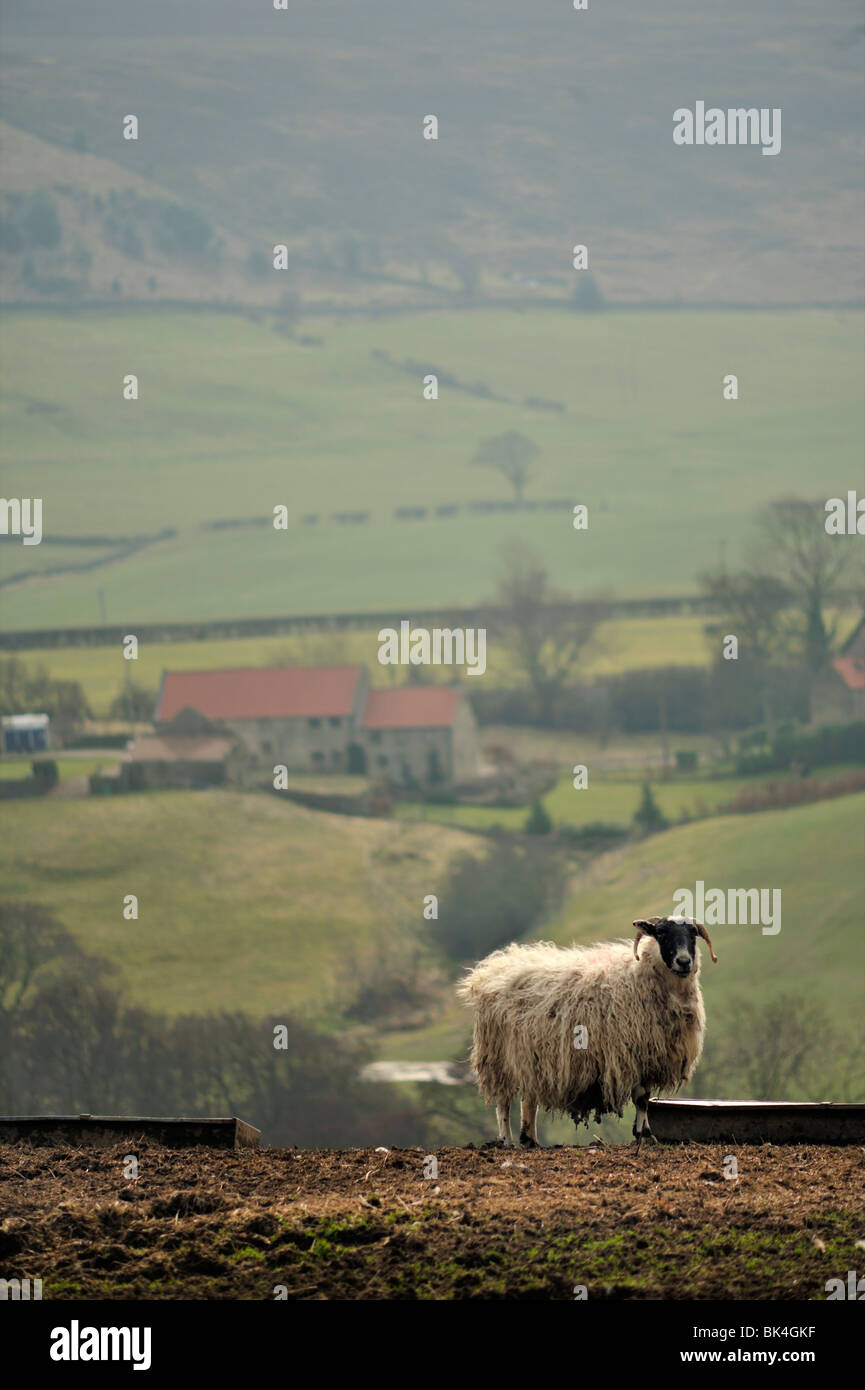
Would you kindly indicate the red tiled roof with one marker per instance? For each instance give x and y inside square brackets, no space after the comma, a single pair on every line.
[851,669]
[411,707]
[179,750]
[258,692]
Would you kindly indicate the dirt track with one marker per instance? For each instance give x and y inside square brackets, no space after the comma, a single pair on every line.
[204,1224]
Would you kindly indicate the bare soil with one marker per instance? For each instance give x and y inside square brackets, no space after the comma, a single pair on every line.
[664,1223]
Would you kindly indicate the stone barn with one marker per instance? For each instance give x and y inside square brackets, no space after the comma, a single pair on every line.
[326,719]
[420,734]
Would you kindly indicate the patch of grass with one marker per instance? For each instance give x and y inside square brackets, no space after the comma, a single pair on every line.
[645,1261]
[245,902]
[68,768]
[610,797]
[223,399]
[619,645]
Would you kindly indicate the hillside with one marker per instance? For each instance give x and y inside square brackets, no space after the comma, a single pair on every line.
[251,903]
[115,231]
[555,127]
[812,854]
[245,902]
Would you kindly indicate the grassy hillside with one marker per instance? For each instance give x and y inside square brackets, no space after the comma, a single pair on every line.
[612,796]
[234,419]
[812,853]
[253,904]
[245,902]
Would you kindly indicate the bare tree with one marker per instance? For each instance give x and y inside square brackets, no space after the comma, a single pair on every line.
[545,630]
[510,454]
[757,607]
[815,566]
[780,1049]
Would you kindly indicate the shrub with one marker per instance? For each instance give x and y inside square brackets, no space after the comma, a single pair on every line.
[487,903]
[182,231]
[833,743]
[648,815]
[45,775]
[133,703]
[40,223]
[595,832]
[686,759]
[587,298]
[794,791]
[538,821]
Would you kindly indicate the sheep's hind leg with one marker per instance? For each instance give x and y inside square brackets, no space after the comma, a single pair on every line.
[529,1123]
[640,1097]
[503,1116]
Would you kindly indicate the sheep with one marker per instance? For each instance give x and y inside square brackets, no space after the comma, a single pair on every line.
[585,1029]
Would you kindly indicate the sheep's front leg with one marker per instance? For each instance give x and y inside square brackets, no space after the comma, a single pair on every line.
[503,1116]
[529,1123]
[640,1097]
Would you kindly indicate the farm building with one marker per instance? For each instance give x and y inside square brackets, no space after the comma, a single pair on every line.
[326,719]
[839,692]
[25,733]
[420,733]
[177,761]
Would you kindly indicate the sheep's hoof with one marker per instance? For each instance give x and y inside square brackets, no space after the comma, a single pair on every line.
[526,1142]
[647,1135]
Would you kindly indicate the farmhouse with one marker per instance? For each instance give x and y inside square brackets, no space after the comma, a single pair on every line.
[839,692]
[304,717]
[420,733]
[326,719]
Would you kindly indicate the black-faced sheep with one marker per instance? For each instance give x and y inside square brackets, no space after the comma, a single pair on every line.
[586,1029]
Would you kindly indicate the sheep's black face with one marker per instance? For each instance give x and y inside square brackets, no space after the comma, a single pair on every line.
[677,942]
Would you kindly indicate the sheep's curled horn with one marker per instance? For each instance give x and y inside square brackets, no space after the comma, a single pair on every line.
[644,928]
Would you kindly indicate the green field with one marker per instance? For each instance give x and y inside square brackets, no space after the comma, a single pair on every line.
[621,645]
[611,797]
[812,854]
[245,902]
[68,768]
[234,419]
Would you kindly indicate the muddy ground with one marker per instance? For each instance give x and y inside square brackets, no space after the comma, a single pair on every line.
[201,1223]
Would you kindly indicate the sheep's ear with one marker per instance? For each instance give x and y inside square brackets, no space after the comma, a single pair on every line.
[644,928]
[647,925]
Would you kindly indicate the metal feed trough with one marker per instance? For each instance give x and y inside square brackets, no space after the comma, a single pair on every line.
[756,1122]
[104,1130]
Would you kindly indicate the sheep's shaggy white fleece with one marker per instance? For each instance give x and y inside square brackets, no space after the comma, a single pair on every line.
[644,1025]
